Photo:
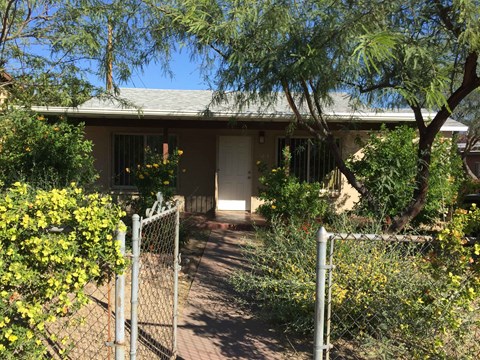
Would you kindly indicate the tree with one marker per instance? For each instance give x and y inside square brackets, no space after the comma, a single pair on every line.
[49,49]
[423,54]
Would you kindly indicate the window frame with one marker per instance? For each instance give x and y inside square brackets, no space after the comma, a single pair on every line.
[113,166]
[337,186]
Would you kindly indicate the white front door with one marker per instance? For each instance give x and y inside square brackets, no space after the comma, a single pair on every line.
[234,173]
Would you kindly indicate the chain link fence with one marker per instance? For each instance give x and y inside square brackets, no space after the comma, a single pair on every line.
[134,314]
[88,332]
[383,299]
[158,286]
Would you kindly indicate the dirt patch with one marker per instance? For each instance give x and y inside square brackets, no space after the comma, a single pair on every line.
[196,237]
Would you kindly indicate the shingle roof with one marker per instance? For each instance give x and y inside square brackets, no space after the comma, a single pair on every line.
[155,103]
[197,101]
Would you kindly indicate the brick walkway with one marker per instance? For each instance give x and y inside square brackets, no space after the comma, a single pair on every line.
[212,326]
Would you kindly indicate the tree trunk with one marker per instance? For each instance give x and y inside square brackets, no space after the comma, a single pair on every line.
[422,180]
[467,169]
[470,143]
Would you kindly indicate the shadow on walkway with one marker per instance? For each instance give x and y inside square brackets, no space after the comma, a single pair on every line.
[212,325]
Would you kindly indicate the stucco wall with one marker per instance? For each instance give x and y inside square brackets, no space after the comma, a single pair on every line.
[197,183]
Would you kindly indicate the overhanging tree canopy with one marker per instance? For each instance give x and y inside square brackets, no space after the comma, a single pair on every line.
[48,47]
[423,54]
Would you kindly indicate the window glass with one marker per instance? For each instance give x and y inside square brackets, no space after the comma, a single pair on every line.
[129,151]
[311,161]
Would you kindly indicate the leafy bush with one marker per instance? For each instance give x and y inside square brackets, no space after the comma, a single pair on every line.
[388,169]
[390,299]
[285,197]
[282,277]
[156,175]
[40,270]
[43,154]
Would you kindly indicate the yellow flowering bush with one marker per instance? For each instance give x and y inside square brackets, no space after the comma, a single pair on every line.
[390,299]
[285,196]
[43,271]
[156,174]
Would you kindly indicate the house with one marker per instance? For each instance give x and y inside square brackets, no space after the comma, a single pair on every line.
[221,144]
[472,157]
[5,83]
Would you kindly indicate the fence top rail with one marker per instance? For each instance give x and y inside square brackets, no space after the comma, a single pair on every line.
[155,217]
[381,237]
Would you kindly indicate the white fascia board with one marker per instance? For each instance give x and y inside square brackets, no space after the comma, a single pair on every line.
[105,112]
[370,117]
[461,128]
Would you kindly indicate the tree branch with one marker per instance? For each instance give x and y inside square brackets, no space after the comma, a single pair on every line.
[470,82]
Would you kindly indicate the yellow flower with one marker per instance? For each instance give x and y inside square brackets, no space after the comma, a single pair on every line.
[127,170]
[141,177]
[56,128]
[165,162]
[274,170]
[27,149]
[41,118]
[274,207]
[156,166]
[12,338]
[258,162]
[148,166]
[180,152]
[166,182]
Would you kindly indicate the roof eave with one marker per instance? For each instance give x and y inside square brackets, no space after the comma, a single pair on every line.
[369,117]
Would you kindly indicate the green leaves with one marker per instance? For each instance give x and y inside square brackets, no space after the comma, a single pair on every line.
[374,48]
[45,154]
[389,166]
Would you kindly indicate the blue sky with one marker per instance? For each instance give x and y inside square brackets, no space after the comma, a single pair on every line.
[186,76]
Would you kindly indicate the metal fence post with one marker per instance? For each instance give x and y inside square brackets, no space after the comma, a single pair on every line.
[120,304]
[135,283]
[176,266]
[321,270]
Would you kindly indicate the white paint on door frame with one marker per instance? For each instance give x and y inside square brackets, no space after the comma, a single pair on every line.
[234,173]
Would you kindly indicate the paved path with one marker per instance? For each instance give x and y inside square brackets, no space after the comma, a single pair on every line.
[212,326]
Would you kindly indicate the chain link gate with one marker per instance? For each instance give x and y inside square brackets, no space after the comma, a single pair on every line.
[154,302]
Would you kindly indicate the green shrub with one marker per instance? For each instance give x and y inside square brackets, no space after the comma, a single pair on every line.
[156,175]
[42,273]
[388,170]
[389,299]
[43,154]
[282,276]
[286,197]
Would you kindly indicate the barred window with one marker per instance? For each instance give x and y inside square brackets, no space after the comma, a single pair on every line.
[129,151]
[311,161]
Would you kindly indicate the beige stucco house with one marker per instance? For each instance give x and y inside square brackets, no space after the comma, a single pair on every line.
[221,144]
